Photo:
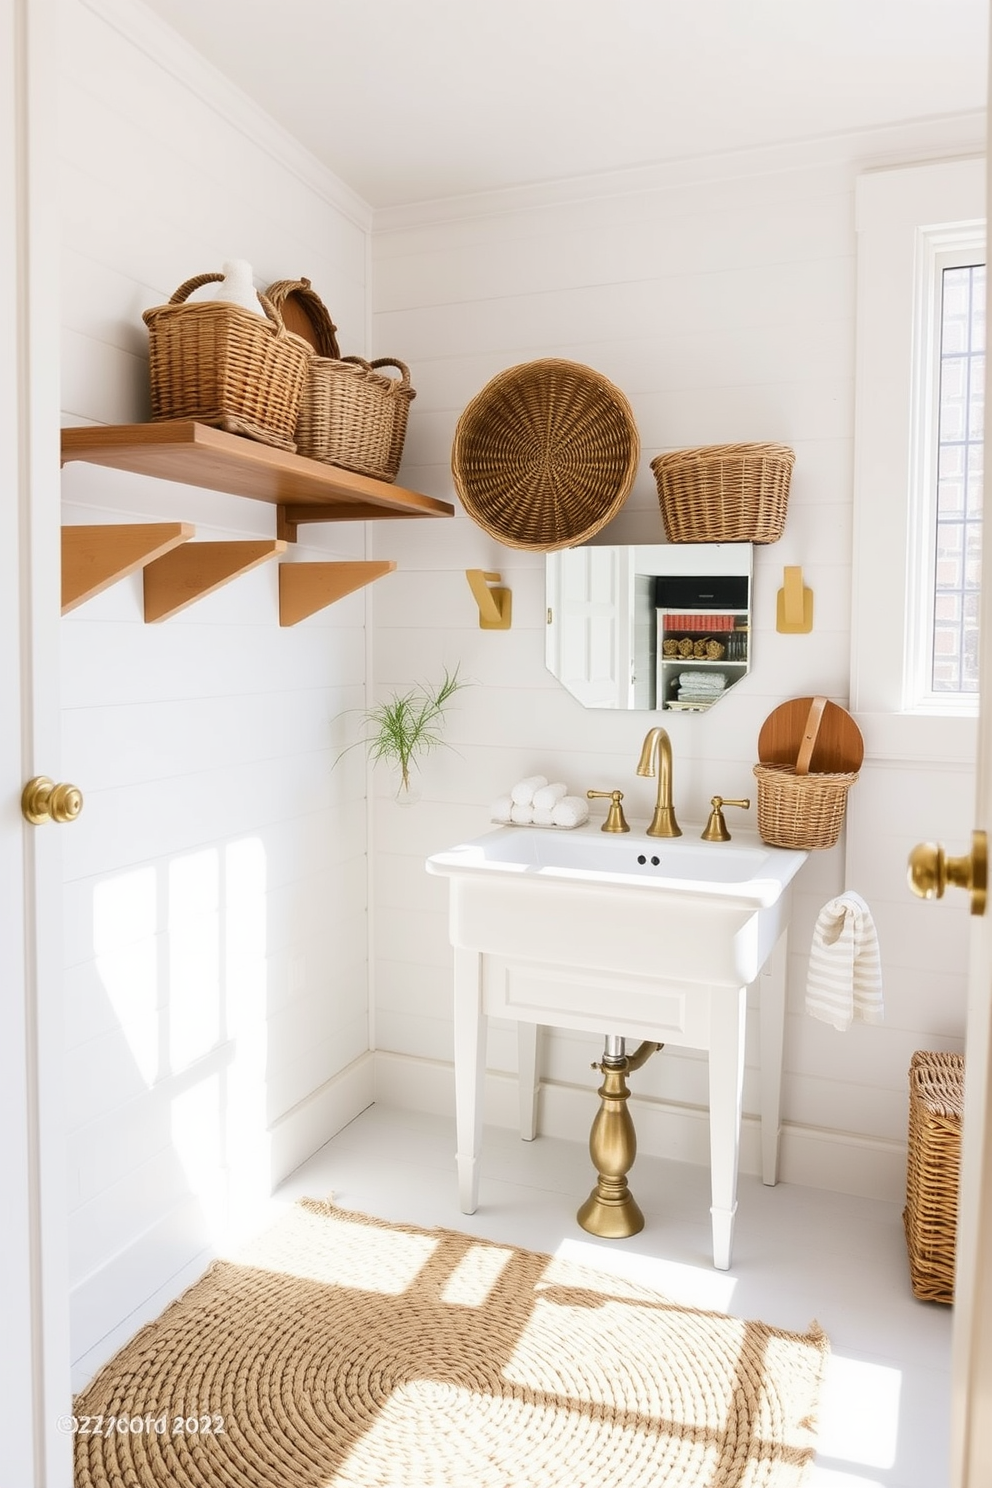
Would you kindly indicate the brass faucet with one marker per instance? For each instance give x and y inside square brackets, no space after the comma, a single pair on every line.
[656,757]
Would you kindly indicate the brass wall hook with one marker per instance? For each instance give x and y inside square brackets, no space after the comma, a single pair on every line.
[495,605]
[794,614]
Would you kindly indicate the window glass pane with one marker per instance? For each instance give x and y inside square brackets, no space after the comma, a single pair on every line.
[960,427]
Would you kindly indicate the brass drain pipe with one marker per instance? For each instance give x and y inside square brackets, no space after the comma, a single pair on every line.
[610,1210]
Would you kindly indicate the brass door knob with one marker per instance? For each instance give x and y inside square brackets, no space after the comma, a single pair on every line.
[42,800]
[931,870]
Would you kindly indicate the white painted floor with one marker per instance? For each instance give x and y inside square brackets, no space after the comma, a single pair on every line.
[799,1254]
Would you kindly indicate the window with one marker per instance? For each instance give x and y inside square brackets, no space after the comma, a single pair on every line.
[957,566]
[918,441]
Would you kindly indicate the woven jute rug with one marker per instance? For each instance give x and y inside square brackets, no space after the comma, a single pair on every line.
[342,1350]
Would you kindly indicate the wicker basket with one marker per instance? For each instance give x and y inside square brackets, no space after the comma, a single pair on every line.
[725,492]
[936,1104]
[352,414]
[545,455]
[218,364]
[801,811]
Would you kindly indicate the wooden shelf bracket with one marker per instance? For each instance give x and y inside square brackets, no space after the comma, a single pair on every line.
[95,557]
[182,577]
[305,588]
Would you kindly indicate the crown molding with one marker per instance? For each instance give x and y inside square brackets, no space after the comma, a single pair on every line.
[146,31]
[913,141]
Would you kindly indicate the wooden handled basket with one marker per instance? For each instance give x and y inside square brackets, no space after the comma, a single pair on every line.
[352,413]
[218,364]
[797,806]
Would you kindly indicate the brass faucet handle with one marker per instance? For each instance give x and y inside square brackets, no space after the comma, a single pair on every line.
[615,819]
[716,828]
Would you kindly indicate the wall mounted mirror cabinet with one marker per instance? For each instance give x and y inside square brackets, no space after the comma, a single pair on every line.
[652,627]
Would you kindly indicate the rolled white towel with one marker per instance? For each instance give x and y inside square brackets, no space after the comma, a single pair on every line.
[523,791]
[571,811]
[522,815]
[544,816]
[500,810]
[548,796]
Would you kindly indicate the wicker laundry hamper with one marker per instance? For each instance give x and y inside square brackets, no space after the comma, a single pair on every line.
[545,455]
[215,363]
[724,492]
[936,1107]
[353,414]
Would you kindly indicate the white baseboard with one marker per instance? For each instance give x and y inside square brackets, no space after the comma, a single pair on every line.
[844,1162]
[305,1128]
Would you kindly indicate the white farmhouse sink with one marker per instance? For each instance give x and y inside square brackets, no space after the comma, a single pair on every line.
[628,935]
[676,909]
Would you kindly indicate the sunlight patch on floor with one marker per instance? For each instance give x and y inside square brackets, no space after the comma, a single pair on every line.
[693,1286]
[859,1414]
[475,1275]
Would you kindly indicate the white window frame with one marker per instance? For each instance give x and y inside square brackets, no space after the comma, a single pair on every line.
[907,220]
[939,248]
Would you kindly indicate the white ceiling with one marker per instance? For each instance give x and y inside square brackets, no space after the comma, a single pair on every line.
[411,100]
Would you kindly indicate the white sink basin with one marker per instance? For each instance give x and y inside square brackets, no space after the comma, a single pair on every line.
[673,908]
[744,867]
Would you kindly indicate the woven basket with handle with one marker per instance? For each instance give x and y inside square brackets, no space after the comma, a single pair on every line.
[219,364]
[545,455]
[352,414]
[798,807]
[725,492]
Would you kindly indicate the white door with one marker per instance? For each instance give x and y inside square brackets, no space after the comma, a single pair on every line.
[971,1442]
[34,1345]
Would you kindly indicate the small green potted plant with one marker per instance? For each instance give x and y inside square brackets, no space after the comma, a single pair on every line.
[407,726]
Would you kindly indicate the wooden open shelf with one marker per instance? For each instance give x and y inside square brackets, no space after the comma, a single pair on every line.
[198,455]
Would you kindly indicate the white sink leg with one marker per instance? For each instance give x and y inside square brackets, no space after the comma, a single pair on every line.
[726,1071]
[771,993]
[527,1046]
[470,1073]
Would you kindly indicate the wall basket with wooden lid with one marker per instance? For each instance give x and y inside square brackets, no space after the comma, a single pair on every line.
[352,413]
[545,455]
[810,753]
[725,492]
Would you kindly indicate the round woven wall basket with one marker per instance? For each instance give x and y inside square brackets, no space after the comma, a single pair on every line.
[545,455]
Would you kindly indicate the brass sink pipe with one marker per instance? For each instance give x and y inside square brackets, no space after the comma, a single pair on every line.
[656,758]
[610,1210]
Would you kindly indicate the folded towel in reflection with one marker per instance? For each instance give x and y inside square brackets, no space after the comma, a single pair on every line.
[548,796]
[844,980]
[500,810]
[522,815]
[703,681]
[571,811]
[523,791]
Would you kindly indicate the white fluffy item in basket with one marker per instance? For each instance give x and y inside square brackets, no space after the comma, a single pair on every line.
[236,287]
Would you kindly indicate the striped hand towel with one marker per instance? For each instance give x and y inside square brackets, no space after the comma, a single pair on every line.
[844,980]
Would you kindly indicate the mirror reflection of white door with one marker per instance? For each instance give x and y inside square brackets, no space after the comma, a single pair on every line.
[34,1337]
[591,627]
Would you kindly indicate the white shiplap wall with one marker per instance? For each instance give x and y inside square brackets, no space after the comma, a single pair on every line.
[720,297]
[215,885]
